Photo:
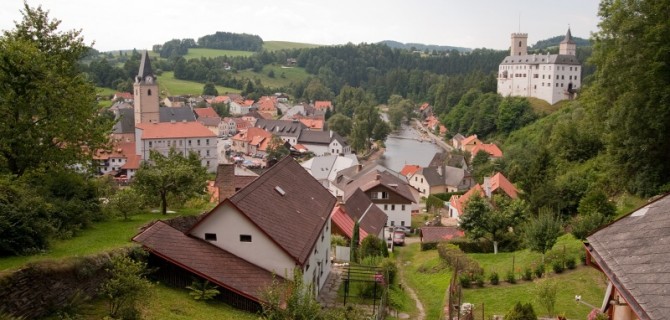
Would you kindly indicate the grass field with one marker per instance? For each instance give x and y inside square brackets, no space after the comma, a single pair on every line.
[175,87]
[280,45]
[541,106]
[104,91]
[170,304]
[290,75]
[100,237]
[196,53]
[425,273]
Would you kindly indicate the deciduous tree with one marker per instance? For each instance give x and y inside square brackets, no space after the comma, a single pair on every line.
[542,232]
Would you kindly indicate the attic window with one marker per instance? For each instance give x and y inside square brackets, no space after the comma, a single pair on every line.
[210,236]
[245,238]
[280,190]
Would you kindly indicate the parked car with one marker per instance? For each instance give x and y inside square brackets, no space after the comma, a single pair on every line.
[406,230]
[399,238]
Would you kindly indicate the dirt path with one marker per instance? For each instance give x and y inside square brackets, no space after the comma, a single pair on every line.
[412,293]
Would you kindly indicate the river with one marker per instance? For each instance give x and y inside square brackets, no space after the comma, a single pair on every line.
[404,147]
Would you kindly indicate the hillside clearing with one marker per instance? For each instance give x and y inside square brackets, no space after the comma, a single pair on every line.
[283,76]
[173,87]
[197,53]
[281,45]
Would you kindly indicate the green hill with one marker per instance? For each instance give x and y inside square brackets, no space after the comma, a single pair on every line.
[197,53]
[280,45]
[282,76]
[172,87]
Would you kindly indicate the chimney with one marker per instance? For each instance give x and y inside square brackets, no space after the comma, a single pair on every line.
[487,187]
[378,177]
[225,181]
[340,200]
[331,133]
[359,167]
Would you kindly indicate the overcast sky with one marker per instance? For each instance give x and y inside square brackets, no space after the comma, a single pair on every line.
[127,24]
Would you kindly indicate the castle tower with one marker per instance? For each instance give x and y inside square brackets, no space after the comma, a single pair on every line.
[568,46]
[519,44]
[146,93]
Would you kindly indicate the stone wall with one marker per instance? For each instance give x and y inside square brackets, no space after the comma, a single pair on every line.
[41,288]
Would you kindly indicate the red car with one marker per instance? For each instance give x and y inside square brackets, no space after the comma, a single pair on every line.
[398,238]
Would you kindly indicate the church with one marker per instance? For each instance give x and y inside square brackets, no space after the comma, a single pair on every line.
[550,77]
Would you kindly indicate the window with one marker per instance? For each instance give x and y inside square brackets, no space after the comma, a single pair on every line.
[149,92]
[245,238]
[386,207]
[189,143]
[210,236]
[402,207]
[392,223]
[402,223]
[150,144]
[392,207]
[421,180]
[198,141]
[207,153]
[208,163]
[385,195]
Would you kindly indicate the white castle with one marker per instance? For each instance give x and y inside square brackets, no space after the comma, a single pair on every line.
[550,77]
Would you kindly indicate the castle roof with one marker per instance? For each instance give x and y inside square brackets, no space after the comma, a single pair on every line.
[145,66]
[541,59]
[568,38]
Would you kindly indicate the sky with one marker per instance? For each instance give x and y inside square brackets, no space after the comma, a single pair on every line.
[128,24]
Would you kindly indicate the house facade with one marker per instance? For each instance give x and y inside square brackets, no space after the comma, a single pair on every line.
[324,142]
[184,137]
[550,77]
[288,131]
[497,184]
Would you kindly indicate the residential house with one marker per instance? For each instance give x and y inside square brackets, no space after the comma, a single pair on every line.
[497,184]
[227,126]
[388,192]
[457,140]
[457,160]
[358,208]
[323,106]
[219,99]
[324,142]
[111,161]
[175,102]
[208,118]
[184,137]
[288,131]
[242,124]
[281,97]
[240,107]
[325,168]
[470,142]
[230,178]
[457,179]
[267,104]
[427,180]
[265,231]
[425,110]
[344,177]
[126,97]
[633,252]
[251,141]
[490,148]
[313,124]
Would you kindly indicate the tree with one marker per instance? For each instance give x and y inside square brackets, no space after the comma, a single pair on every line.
[541,233]
[126,202]
[629,104]
[355,238]
[583,224]
[48,107]
[521,312]
[315,90]
[126,285]
[372,246]
[513,113]
[596,201]
[545,293]
[481,220]
[340,124]
[172,174]
[209,89]
[276,148]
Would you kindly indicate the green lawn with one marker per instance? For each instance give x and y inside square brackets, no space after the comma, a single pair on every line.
[171,304]
[425,274]
[280,45]
[173,87]
[104,91]
[100,237]
[197,53]
[290,75]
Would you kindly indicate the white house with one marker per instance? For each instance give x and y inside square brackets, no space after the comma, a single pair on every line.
[325,168]
[550,77]
[182,136]
[324,142]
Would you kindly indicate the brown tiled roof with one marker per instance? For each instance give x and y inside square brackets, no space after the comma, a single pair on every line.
[206,260]
[207,112]
[375,178]
[634,253]
[438,234]
[289,205]
[370,217]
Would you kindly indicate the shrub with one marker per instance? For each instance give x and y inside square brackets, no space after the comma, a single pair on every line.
[570,263]
[202,290]
[582,257]
[510,277]
[521,312]
[557,266]
[464,280]
[127,284]
[428,246]
[493,277]
[545,293]
[539,271]
[372,246]
[456,259]
[389,268]
[527,274]
[479,280]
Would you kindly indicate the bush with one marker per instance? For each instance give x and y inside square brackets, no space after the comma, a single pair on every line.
[464,281]
[527,274]
[510,277]
[125,287]
[479,280]
[202,290]
[545,293]
[539,271]
[557,266]
[582,257]
[428,246]
[456,259]
[521,312]
[570,263]
[372,246]
[389,268]
[493,277]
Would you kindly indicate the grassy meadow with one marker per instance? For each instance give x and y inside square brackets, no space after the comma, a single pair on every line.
[289,75]
[174,87]
[197,53]
[281,45]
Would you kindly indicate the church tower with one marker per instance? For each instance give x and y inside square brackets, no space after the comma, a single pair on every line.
[146,93]
[568,46]
[519,44]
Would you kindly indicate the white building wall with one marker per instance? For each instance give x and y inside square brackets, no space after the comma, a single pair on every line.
[317,149]
[419,182]
[548,82]
[398,214]
[228,224]
[319,260]
[206,148]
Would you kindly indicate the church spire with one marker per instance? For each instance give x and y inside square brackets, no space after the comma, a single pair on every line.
[568,37]
[145,67]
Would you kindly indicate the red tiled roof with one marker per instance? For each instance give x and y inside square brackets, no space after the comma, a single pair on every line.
[443,129]
[247,103]
[207,112]
[220,99]
[438,234]
[370,217]
[409,170]
[300,147]
[499,181]
[267,104]
[344,222]
[489,148]
[469,140]
[206,260]
[424,106]
[288,204]
[459,202]
[132,162]
[322,105]
[168,130]
[313,123]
